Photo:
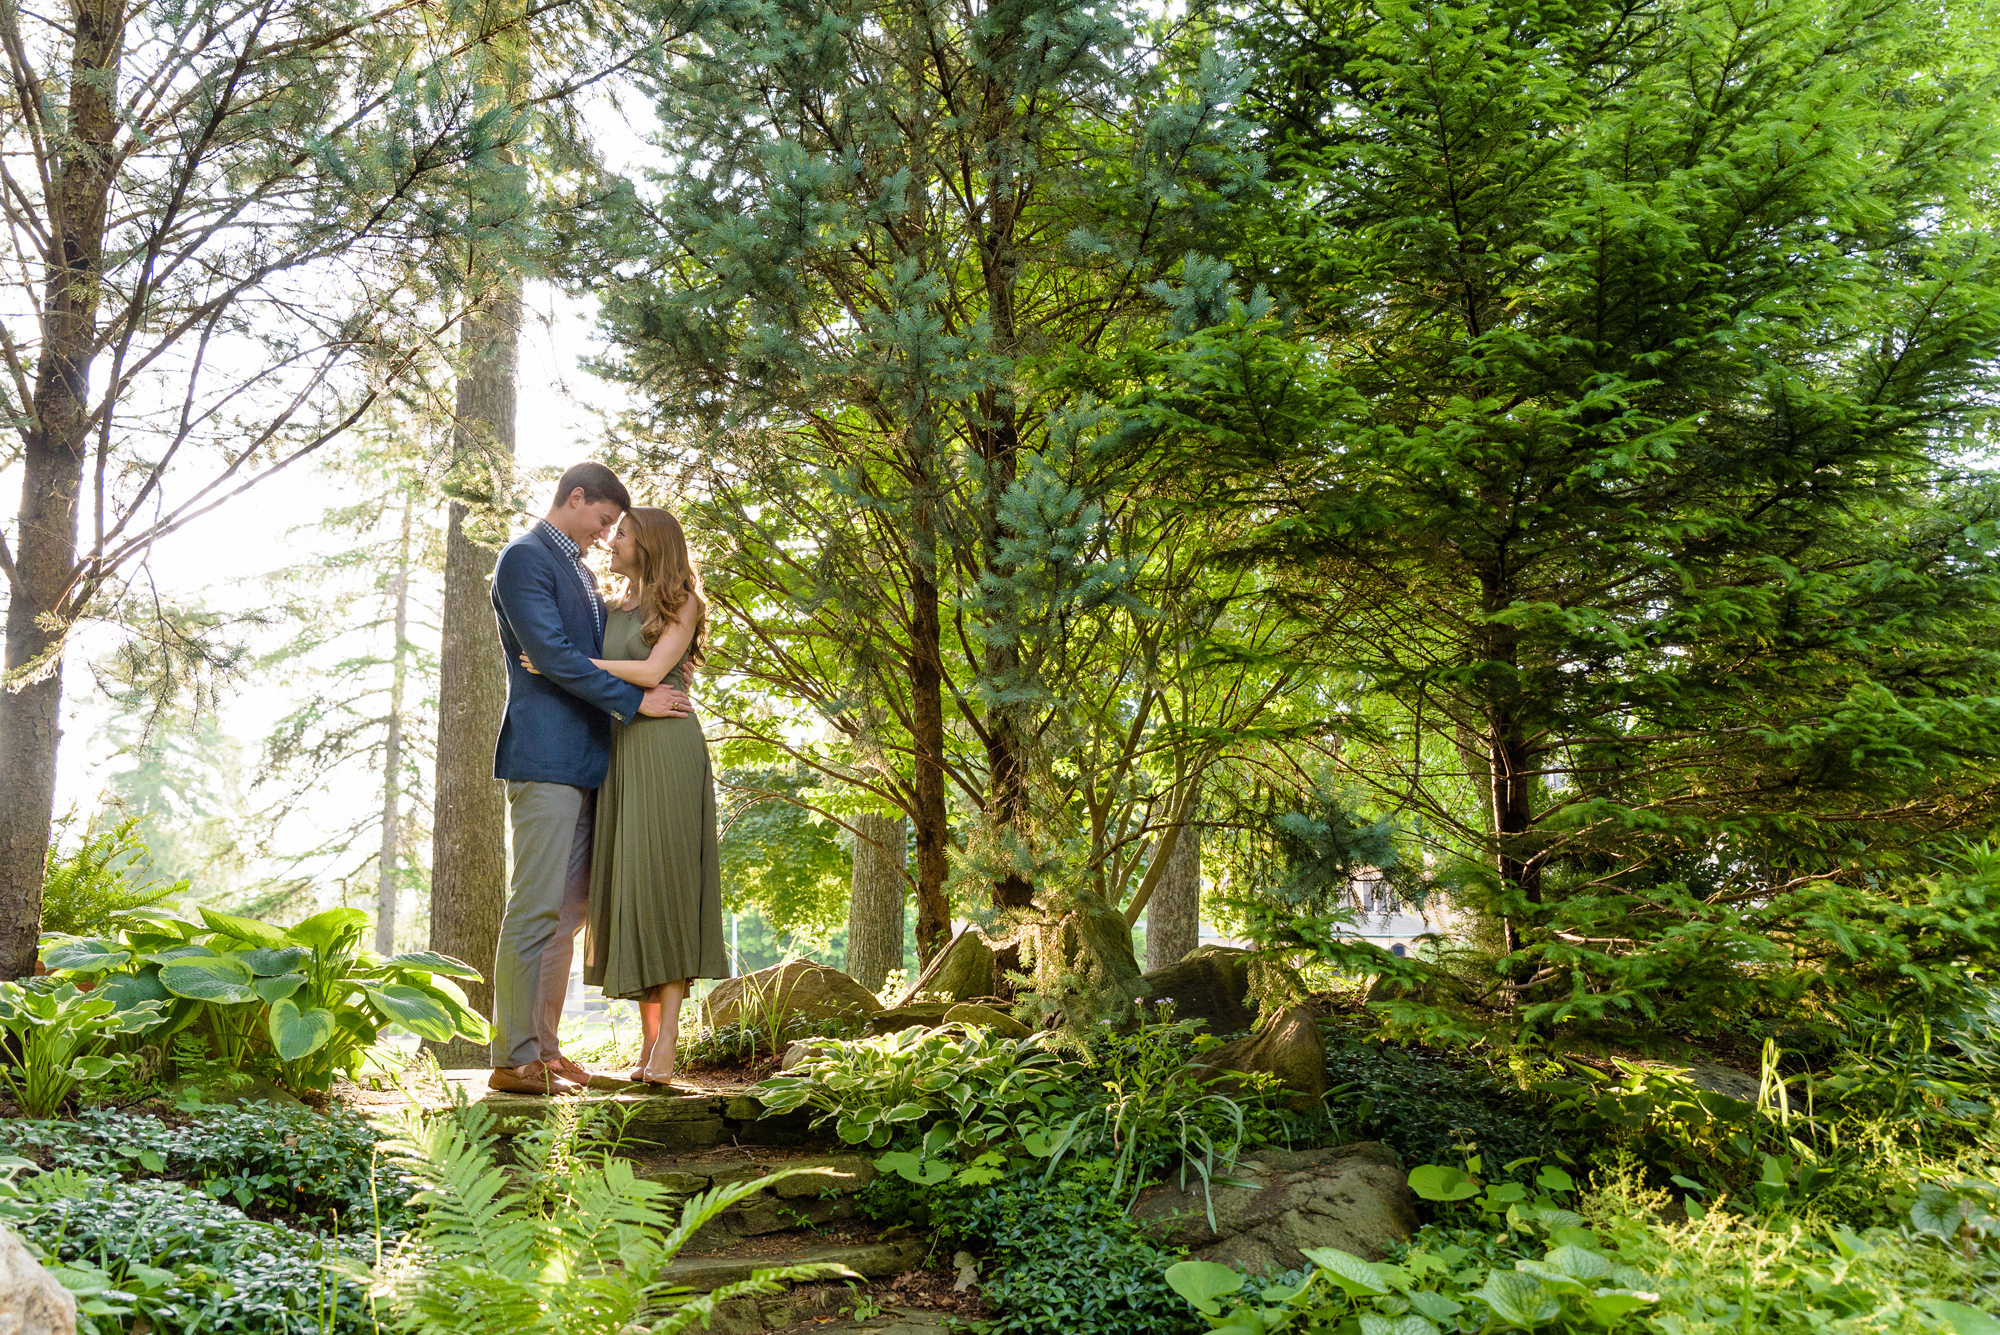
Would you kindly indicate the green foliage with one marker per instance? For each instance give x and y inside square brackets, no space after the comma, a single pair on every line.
[973,1087]
[1062,1257]
[94,886]
[184,1262]
[56,1040]
[1151,1109]
[1616,451]
[1431,1105]
[1615,1266]
[271,1159]
[566,1244]
[309,995]
[780,858]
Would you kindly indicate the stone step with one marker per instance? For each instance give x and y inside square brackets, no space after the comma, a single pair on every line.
[822,1193]
[868,1260]
[673,1121]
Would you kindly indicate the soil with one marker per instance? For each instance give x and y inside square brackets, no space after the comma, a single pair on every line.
[844,1232]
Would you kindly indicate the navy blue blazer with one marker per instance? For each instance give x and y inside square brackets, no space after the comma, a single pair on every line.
[558,724]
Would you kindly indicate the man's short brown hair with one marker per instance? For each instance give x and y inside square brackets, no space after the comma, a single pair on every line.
[598,482]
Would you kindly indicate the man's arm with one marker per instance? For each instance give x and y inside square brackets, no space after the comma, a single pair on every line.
[526,591]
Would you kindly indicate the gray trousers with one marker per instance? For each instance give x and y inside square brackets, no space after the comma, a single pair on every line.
[546,905]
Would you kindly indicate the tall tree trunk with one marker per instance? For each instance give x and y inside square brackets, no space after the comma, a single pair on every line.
[875,908]
[931,826]
[40,594]
[389,864]
[469,829]
[1173,914]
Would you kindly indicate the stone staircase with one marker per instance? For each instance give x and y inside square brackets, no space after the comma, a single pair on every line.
[690,1143]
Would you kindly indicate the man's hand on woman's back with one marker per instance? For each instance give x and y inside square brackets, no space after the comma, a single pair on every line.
[665,701]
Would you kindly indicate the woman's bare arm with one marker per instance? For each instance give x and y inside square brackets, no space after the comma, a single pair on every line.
[667,650]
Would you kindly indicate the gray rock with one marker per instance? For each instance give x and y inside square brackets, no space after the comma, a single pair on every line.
[918,1014]
[966,969]
[1211,985]
[1289,1047]
[841,1174]
[869,1260]
[32,1301]
[1354,1197]
[987,1017]
[802,988]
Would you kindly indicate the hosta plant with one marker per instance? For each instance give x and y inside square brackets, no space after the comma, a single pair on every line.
[57,1038]
[970,1087]
[309,994]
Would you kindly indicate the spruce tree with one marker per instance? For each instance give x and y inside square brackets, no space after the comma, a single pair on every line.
[1611,430]
[882,215]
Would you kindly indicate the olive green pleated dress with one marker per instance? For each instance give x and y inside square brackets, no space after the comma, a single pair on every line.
[655,876]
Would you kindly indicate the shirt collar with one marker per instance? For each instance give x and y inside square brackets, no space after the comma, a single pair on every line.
[562,539]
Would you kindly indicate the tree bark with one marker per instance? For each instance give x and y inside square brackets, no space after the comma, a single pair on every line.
[469,829]
[875,909]
[1173,915]
[389,863]
[55,449]
[933,832]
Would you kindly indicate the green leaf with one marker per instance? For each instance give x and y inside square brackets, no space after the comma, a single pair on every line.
[430,961]
[1518,1299]
[85,955]
[1371,1324]
[96,1068]
[222,979]
[905,1112]
[1435,1305]
[267,963]
[296,1033]
[327,932]
[1608,1305]
[277,989]
[127,990]
[151,1161]
[1358,1277]
[1202,1283]
[1552,1178]
[244,929]
[414,1011]
[1441,1182]
[1579,1263]
[1960,1318]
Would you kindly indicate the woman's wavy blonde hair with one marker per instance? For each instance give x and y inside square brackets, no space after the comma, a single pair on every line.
[667,578]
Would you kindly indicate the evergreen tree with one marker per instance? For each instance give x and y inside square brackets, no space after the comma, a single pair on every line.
[359,636]
[883,213]
[1612,439]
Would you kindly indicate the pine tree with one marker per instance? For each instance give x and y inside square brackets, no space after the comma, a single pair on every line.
[884,215]
[1613,436]
[358,637]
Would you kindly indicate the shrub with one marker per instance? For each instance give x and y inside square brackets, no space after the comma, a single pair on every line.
[280,1161]
[190,1263]
[1433,1107]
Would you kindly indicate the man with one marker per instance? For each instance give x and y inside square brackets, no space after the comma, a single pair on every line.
[554,751]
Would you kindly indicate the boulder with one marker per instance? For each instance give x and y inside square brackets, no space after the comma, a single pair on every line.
[987,1017]
[925,1014]
[801,988]
[1354,1197]
[962,970]
[1211,985]
[1289,1047]
[32,1301]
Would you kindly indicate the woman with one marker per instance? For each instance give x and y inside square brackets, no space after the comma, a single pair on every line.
[655,878]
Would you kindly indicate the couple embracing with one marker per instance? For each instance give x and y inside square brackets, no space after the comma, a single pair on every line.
[609,791]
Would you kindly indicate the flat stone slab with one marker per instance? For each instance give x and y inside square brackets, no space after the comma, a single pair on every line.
[870,1260]
[673,1120]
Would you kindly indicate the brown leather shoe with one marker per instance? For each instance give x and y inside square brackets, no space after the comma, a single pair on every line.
[534,1078]
[574,1072]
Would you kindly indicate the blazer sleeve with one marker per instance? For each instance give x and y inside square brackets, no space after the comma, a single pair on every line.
[526,591]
